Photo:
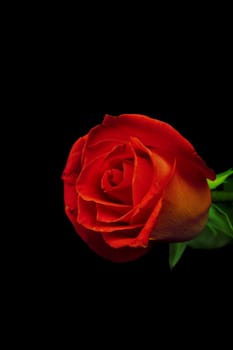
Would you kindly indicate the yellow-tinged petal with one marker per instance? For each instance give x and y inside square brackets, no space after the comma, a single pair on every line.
[184,211]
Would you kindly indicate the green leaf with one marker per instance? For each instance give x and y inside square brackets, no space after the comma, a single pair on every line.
[222,196]
[176,250]
[220,179]
[227,214]
[227,208]
[219,229]
[228,185]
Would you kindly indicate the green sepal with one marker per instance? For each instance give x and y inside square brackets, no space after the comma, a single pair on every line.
[228,185]
[176,250]
[218,231]
[220,179]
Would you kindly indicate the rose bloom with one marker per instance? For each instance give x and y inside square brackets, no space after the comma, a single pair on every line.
[133,180]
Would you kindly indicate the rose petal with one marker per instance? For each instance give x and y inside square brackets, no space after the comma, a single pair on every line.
[69,176]
[151,132]
[111,178]
[89,181]
[106,213]
[119,239]
[123,191]
[150,212]
[143,171]
[122,239]
[93,150]
[163,170]
[162,174]
[96,242]
[185,210]
[87,214]
[73,164]
[70,197]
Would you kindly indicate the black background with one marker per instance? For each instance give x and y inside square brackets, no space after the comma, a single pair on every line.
[77,90]
[65,76]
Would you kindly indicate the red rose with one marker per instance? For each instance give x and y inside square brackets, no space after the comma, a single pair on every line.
[131,180]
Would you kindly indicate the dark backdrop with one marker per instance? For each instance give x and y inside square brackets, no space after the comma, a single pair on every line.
[66,77]
[76,94]
[75,286]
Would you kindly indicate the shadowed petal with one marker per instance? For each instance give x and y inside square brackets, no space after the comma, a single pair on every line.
[87,217]
[96,242]
[106,213]
[141,239]
[89,181]
[122,189]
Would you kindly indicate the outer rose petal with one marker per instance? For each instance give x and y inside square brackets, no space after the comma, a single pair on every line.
[98,245]
[151,132]
[74,162]
[69,176]
[185,210]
